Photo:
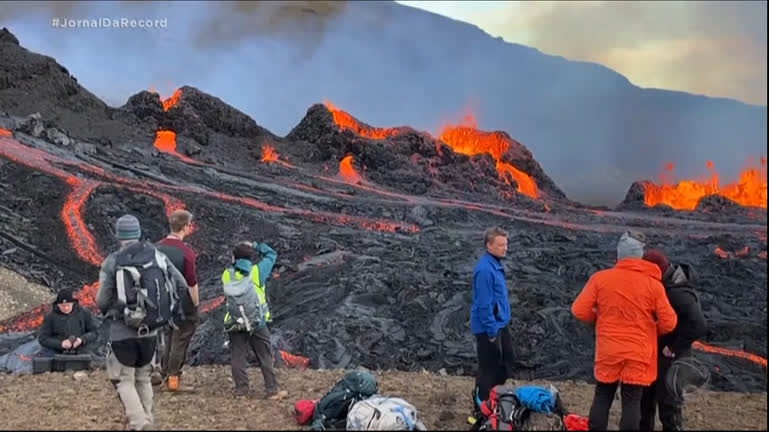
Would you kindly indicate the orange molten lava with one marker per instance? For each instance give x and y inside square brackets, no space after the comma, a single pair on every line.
[346,121]
[347,171]
[5,132]
[749,190]
[165,141]
[294,361]
[173,100]
[722,253]
[730,352]
[269,154]
[468,140]
[170,102]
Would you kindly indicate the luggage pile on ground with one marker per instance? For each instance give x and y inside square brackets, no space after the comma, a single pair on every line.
[526,408]
[353,403]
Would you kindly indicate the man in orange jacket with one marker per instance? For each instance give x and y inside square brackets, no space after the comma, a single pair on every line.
[630,309]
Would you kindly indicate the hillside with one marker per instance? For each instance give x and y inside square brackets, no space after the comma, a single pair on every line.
[390,64]
[443,402]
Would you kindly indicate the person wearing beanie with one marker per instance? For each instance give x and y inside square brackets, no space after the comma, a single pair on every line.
[68,328]
[623,302]
[679,281]
[129,362]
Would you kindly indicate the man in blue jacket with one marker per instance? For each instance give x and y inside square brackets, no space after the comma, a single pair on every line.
[490,316]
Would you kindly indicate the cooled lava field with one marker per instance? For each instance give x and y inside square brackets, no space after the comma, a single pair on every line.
[377,228]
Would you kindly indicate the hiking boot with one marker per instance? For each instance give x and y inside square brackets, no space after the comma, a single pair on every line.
[174,385]
[240,393]
[277,395]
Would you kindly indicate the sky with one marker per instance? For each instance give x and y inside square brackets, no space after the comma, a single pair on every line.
[703,47]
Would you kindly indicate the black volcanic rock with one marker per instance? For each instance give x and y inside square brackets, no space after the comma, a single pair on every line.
[145,105]
[200,116]
[7,37]
[634,199]
[31,82]
[406,156]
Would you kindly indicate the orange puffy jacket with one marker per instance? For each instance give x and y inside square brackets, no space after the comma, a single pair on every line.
[630,308]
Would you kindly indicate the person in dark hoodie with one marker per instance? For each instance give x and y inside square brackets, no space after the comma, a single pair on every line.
[679,282]
[68,328]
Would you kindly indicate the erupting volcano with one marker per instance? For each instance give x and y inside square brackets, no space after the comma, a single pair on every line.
[467,139]
[373,259]
[749,190]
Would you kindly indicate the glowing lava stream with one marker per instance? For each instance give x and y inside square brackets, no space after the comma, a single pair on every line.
[750,190]
[535,217]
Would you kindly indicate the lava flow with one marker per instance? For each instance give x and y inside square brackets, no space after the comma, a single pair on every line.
[749,190]
[269,155]
[346,121]
[165,142]
[171,101]
[468,140]
[347,171]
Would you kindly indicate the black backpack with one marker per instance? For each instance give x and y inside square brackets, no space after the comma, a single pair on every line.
[331,410]
[502,410]
[147,297]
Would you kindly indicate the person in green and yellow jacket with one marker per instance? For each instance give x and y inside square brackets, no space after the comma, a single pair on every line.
[249,326]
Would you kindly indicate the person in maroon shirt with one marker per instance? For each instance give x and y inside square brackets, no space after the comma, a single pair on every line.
[183,258]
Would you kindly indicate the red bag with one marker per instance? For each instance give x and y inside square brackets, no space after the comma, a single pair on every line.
[303,410]
[574,422]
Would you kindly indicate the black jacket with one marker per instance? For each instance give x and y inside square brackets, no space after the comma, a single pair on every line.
[57,327]
[679,281]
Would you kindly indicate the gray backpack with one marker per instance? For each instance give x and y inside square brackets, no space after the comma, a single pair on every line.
[243,305]
[382,414]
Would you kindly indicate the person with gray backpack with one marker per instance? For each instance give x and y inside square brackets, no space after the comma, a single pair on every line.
[138,294]
[247,314]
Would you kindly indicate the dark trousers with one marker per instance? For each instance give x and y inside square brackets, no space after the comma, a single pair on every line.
[631,406]
[259,341]
[495,361]
[177,343]
[134,353]
[671,410]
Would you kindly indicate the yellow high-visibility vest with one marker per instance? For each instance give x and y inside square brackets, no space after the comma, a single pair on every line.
[258,287]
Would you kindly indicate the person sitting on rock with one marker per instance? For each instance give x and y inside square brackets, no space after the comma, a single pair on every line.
[629,307]
[679,286]
[254,332]
[68,328]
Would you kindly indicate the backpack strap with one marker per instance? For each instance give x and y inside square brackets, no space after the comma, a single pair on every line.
[121,281]
[406,418]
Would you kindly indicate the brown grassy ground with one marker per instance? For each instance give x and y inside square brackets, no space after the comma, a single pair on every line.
[59,401]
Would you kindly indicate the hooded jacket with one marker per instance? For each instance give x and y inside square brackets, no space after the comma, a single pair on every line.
[679,284]
[58,326]
[630,309]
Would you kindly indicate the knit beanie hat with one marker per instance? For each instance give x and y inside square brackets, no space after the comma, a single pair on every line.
[630,245]
[128,228]
[64,296]
[657,257]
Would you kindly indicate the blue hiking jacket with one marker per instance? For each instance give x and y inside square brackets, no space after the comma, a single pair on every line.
[490,311]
